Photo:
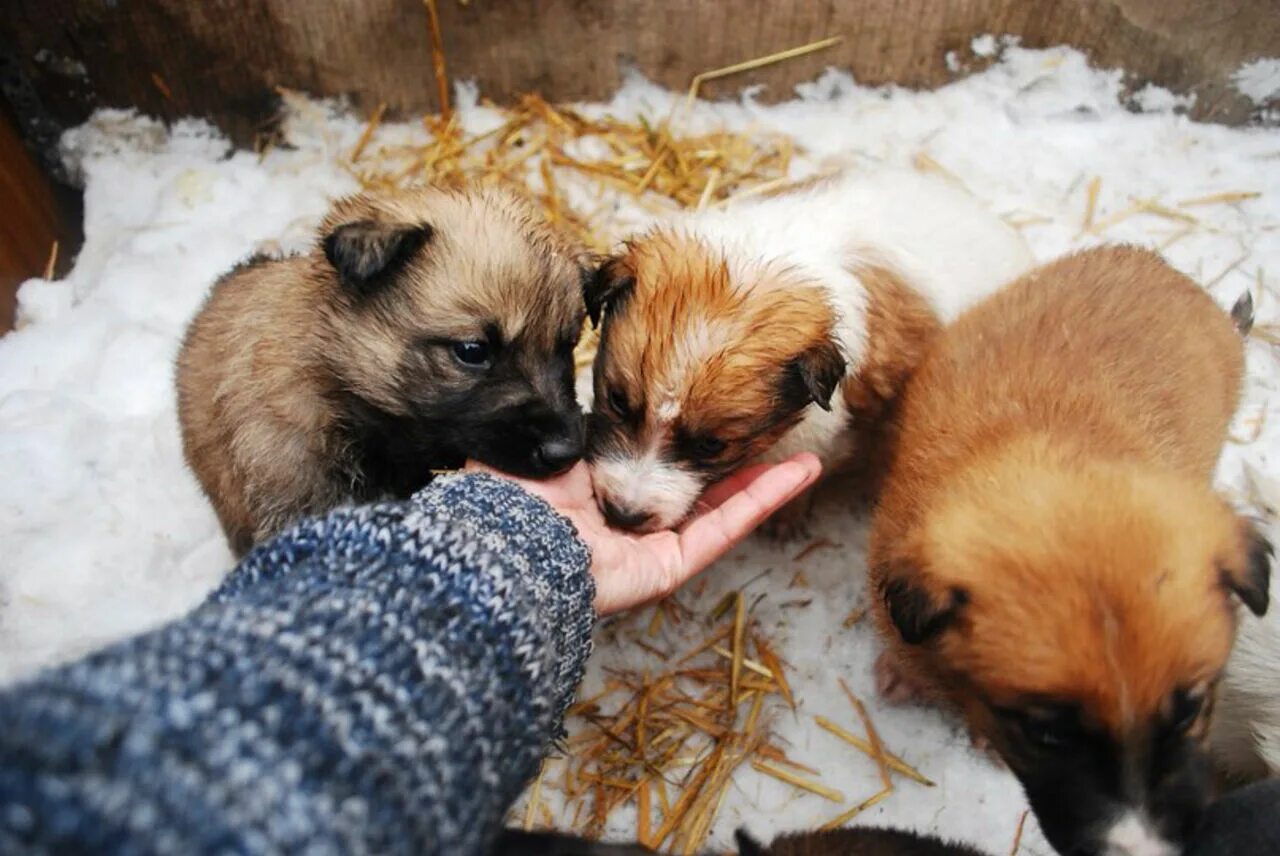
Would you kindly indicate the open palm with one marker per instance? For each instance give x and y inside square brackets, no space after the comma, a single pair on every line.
[632,569]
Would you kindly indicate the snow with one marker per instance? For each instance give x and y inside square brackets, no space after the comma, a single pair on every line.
[1259,80]
[107,534]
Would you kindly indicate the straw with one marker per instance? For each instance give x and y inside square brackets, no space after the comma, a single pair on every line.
[50,266]
[894,762]
[790,778]
[1017,835]
[752,64]
[369,129]
[841,819]
[877,748]
[437,60]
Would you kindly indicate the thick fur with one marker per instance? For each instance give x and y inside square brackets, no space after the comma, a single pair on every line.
[517,842]
[1245,821]
[333,376]
[853,841]
[1048,552]
[785,324]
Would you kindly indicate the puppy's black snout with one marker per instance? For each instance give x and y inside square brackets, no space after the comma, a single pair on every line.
[558,454]
[622,517]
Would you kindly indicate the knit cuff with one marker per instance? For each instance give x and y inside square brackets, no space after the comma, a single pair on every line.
[540,544]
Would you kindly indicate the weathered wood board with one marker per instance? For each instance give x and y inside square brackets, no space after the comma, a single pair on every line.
[222,59]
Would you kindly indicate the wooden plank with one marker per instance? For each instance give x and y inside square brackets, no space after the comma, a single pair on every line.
[30,220]
[223,58]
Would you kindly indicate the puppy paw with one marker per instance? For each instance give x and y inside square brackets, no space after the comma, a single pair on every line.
[895,685]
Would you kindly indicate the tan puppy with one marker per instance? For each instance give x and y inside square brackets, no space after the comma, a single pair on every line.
[423,328]
[1048,552]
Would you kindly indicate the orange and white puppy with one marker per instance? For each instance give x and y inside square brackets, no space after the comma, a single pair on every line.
[1048,552]
[779,325]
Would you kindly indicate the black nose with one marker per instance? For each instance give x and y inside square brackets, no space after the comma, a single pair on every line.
[623,518]
[558,454]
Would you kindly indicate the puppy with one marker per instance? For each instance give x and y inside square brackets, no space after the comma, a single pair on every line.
[1244,821]
[1048,552]
[425,327]
[853,841]
[518,842]
[780,325]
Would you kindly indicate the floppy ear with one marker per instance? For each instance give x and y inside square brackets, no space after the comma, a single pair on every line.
[918,613]
[606,286]
[365,253]
[817,372]
[1242,314]
[748,846]
[1250,578]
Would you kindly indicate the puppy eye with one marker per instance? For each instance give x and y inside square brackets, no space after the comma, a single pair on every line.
[1187,708]
[1047,735]
[618,403]
[472,354]
[1049,729]
[706,446]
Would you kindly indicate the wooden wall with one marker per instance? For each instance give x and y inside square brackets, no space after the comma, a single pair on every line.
[222,58]
[31,219]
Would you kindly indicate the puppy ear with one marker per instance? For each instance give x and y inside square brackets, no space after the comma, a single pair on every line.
[918,613]
[1249,576]
[817,372]
[606,286]
[1242,314]
[365,252]
[748,846]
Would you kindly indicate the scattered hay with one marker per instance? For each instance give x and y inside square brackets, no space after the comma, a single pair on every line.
[51,264]
[1017,835]
[855,615]
[1091,203]
[812,547]
[667,739]
[437,61]
[684,728]
[759,62]
[1230,197]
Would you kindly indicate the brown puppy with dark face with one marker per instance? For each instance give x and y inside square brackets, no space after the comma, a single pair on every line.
[424,327]
[1049,554]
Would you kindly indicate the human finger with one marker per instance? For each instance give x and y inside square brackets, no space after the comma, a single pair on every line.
[711,535]
[715,495]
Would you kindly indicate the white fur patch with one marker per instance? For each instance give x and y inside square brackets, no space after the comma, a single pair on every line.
[1131,835]
[647,484]
[701,338]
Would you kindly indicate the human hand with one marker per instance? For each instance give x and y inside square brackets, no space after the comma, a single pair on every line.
[632,569]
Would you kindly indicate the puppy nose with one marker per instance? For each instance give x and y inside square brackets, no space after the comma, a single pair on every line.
[622,517]
[558,454]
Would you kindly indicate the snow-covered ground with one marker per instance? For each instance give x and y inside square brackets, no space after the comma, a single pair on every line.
[105,533]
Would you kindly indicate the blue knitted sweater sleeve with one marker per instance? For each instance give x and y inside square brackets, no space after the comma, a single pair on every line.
[380,680]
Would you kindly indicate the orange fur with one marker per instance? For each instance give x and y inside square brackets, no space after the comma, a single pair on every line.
[900,327]
[725,390]
[1053,461]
